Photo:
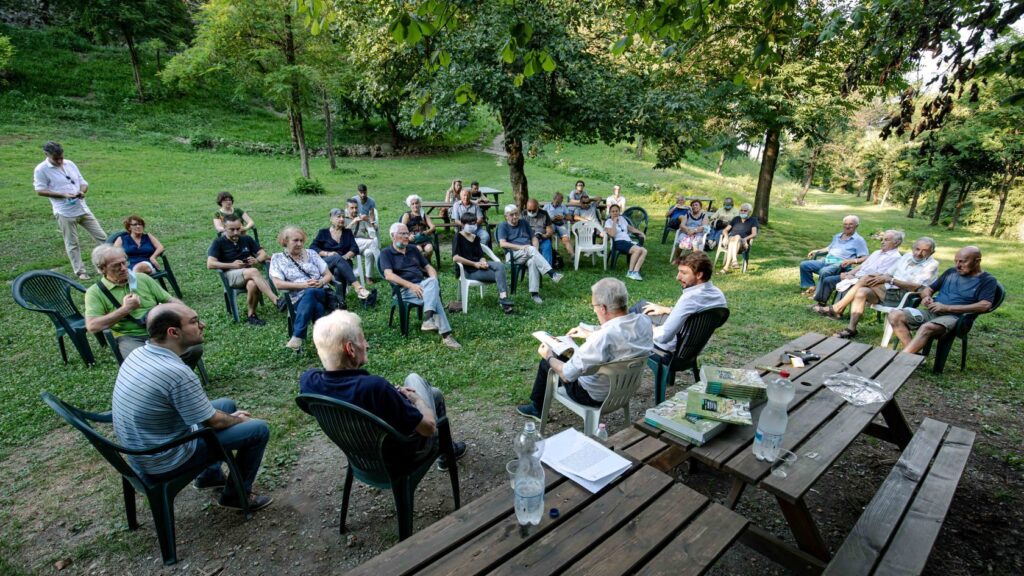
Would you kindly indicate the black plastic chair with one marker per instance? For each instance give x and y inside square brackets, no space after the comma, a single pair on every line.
[231,293]
[690,342]
[164,276]
[374,449]
[160,495]
[962,329]
[50,293]
[398,303]
[108,336]
[637,218]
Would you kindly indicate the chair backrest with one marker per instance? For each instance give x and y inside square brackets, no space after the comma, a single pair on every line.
[362,436]
[637,216]
[47,292]
[966,321]
[78,418]
[584,232]
[623,380]
[113,236]
[696,332]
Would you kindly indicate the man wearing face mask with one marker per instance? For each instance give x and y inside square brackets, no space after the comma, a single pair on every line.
[560,221]
[738,234]
[719,220]
[514,236]
[540,225]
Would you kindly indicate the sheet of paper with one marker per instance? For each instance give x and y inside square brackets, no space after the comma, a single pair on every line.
[583,460]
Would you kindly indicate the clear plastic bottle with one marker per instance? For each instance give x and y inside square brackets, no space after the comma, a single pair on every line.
[602,432]
[771,426]
[529,480]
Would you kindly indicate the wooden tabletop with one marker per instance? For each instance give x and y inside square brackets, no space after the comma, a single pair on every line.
[642,523]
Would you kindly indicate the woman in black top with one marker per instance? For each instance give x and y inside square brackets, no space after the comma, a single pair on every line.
[419,225]
[337,246]
[468,251]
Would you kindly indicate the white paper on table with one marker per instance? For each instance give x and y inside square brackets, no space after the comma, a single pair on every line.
[583,460]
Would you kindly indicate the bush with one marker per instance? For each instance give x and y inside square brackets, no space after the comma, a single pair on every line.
[308,186]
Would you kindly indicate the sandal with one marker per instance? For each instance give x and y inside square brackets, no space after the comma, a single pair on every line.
[826,311]
[845,334]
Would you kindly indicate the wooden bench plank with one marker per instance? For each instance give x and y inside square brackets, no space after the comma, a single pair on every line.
[860,551]
[649,531]
[908,553]
[583,532]
[697,547]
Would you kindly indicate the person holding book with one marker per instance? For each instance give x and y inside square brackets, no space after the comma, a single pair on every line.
[693,272]
[621,335]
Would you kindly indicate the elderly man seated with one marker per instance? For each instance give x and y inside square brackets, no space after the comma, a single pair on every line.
[412,410]
[121,300]
[846,250]
[621,335]
[515,237]
[560,220]
[913,271]
[963,289]
[405,266]
[879,262]
[541,227]
[240,258]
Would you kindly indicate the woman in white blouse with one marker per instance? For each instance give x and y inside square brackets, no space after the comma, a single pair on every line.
[304,274]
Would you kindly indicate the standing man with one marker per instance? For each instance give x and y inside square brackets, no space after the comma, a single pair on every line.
[466,205]
[240,257]
[846,250]
[515,237]
[60,181]
[157,398]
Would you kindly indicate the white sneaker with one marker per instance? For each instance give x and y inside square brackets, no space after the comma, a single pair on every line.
[637,276]
[450,342]
[537,299]
[429,325]
[556,277]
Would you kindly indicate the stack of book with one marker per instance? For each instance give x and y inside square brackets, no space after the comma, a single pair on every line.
[671,416]
[735,383]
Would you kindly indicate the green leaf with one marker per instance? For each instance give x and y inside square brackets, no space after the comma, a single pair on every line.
[508,54]
[444,58]
[414,35]
[522,32]
[620,46]
[399,28]
[531,64]
[518,80]
[547,62]
[417,118]
[739,79]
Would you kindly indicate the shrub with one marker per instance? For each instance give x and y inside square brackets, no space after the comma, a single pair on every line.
[308,186]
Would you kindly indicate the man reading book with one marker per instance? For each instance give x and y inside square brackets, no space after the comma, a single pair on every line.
[621,335]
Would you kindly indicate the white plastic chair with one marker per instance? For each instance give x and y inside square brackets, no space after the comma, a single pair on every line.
[584,233]
[623,380]
[701,241]
[465,283]
[887,333]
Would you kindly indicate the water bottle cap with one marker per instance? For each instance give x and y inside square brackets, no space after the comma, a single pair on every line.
[784,374]
[553,513]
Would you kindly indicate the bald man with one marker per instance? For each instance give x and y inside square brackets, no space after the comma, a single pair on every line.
[963,289]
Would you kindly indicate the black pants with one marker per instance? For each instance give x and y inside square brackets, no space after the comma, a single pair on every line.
[341,268]
[574,389]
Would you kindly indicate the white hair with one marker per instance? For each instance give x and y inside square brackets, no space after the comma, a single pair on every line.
[413,198]
[102,253]
[331,332]
[927,240]
[897,236]
[746,206]
[853,217]
[394,228]
[510,209]
[611,293]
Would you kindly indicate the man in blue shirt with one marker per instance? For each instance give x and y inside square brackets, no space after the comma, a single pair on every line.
[846,250]
[963,289]
[516,237]
[411,410]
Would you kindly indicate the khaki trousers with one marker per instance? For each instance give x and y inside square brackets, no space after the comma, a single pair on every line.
[69,228]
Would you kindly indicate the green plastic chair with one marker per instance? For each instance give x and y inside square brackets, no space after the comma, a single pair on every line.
[164,276]
[160,495]
[399,304]
[50,293]
[112,343]
[367,442]
[690,342]
[961,330]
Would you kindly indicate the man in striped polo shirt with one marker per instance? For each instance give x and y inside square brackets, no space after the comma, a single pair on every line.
[157,398]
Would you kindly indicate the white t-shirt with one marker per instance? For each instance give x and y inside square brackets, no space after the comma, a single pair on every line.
[621,229]
[65,179]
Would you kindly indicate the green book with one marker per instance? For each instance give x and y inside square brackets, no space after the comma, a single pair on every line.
[738,383]
[671,417]
[720,408]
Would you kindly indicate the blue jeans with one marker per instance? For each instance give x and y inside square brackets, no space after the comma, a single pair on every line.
[247,440]
[311,305]
[809,267]
[545,250]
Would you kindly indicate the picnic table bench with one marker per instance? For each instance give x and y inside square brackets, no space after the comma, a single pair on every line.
[643,523]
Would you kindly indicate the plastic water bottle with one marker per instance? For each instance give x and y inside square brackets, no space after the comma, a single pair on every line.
[602,432]
[771,426]
[529,480]
[133,282]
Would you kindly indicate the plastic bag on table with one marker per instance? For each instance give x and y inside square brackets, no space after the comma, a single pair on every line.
[857,390]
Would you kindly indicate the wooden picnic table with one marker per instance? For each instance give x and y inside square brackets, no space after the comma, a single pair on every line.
[822,425]
[642,523]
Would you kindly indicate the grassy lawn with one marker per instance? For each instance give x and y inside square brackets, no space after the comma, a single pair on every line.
[174,190]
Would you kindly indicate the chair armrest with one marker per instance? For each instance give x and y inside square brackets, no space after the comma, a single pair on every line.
[205,433]
[103,417]
[489,253]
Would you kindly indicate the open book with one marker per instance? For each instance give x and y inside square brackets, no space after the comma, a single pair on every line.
[560,345]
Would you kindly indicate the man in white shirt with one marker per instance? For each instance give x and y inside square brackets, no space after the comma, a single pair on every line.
[60,181]
[879,262]
[621,336]
[699,294]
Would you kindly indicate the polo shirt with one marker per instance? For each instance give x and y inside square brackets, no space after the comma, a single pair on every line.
[150,294]
[371,393]
[956,290]
[853,247]
[224,250]
[157,398]
[742,228]
[557,213]
[621,228]
[519,234]
[458,209]
[65,179]
[410,266]
[539,223]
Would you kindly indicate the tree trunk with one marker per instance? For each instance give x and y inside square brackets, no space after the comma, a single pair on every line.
[765,177]
[640,148]
[328,128]
[133,51]
[960,200]
[913,202]
[808,175]
[295,102]
[396,136]
[940,203]
[871,188]
[721,162]
[1003,195]
[516,169]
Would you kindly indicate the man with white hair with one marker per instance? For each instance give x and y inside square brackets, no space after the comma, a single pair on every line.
[413,409]
[879,262]
[516,237]
[366,238]
[846,250]
[405,266]
[622,335]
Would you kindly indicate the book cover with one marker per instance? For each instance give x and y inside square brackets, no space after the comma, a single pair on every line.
[560,345]
[714,407]
[739,383]
[671,416]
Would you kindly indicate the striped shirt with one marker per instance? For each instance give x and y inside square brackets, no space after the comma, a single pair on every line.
[156,399]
